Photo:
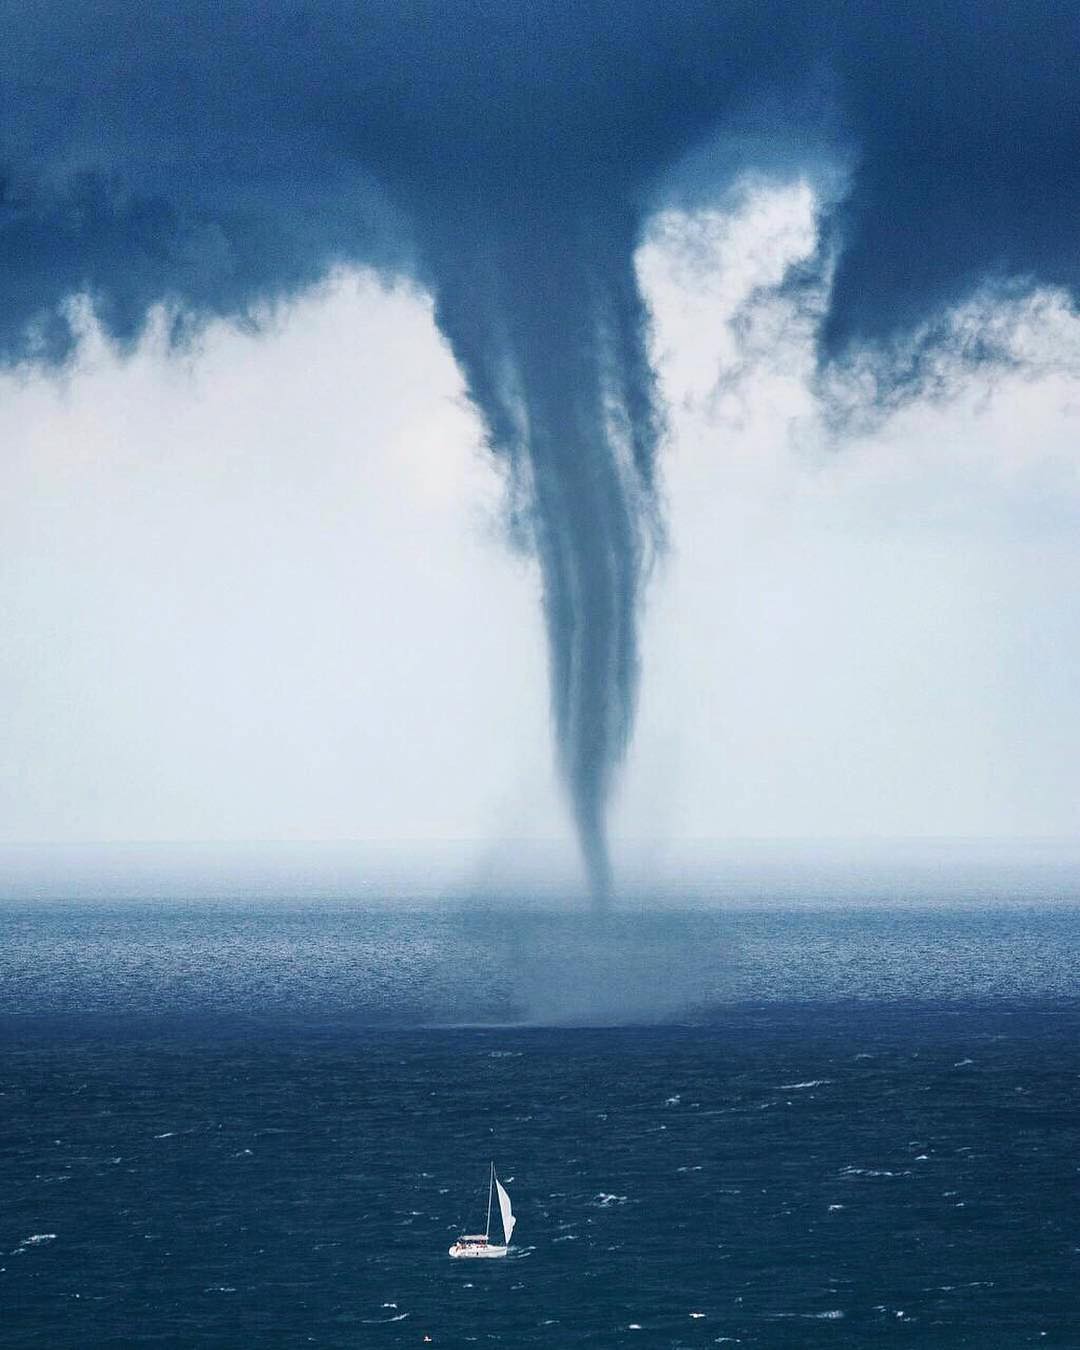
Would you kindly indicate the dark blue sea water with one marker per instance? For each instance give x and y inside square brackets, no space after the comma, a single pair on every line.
[233,1125]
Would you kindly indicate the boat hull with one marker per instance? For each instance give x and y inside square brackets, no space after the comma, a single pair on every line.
[476,1250]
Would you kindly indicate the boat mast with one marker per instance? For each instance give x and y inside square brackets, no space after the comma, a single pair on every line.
[491,1187]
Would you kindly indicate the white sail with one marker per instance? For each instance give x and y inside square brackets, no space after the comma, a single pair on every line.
[480,1244]
[505,1210]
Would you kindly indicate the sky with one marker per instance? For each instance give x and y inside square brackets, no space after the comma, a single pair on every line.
[411,430]
[263,590]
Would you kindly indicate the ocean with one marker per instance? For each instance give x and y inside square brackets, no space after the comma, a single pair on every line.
[247,1123]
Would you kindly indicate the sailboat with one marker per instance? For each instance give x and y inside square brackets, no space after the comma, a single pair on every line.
[480,1244]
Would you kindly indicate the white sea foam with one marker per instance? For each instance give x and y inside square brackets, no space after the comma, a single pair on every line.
[872,1172]
[810,1083]
[832,1315]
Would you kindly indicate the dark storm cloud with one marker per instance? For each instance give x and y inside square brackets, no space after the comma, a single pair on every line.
[506,154]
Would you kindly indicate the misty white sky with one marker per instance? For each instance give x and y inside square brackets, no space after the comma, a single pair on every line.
[260,591]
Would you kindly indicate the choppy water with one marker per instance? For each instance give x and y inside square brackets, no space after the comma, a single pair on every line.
[236,1126]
